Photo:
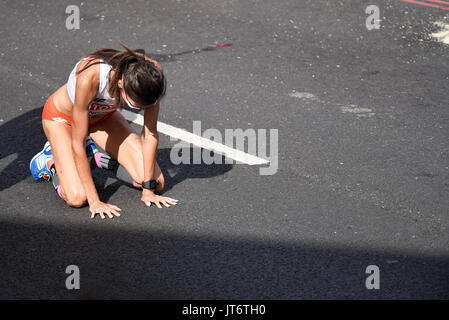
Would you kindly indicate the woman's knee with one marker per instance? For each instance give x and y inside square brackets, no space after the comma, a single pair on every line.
[75,198]
[77,202]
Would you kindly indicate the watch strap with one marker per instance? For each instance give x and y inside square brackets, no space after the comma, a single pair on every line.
[150,184]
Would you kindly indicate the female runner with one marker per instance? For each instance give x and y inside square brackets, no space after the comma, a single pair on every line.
[100,83]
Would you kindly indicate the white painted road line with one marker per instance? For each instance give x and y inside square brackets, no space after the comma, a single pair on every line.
[443,34]
[198,141]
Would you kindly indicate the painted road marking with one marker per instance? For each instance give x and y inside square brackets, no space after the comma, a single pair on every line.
[352,108]
[443,34]
[302,95]
[429,3]
[359,112]
[198,141]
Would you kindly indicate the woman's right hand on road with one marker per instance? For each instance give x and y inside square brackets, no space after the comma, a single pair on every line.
[104,208]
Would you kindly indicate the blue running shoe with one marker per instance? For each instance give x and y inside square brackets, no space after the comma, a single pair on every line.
[38,165]
[91,148]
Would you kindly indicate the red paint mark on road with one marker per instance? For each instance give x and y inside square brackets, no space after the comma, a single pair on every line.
[171,56]
[430,4]
[439,1]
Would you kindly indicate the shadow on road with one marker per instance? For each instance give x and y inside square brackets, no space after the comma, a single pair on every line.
[23,137]
[173,174]
[129,264]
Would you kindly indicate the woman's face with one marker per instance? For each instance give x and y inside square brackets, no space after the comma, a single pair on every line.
[129,101]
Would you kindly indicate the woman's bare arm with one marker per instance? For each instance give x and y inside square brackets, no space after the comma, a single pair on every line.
[86,89]
[150,140]
[85,93]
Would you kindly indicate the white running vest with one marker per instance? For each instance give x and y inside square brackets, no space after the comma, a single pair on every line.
[103,102]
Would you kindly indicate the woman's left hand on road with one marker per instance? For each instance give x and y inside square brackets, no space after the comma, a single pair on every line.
[148,197]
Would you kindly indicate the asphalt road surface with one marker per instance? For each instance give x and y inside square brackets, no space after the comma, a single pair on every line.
[362,153]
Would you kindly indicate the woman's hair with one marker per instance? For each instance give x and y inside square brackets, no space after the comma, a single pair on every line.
[144,82]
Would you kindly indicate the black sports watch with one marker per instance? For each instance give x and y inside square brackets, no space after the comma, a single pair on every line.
[150,184]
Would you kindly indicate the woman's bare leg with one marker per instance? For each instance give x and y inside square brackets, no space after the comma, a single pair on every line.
[117,138]
[59,136]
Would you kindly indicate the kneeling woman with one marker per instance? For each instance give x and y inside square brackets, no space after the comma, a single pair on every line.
[100,83]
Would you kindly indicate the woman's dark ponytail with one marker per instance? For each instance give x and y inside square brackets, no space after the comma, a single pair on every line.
[145,81]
